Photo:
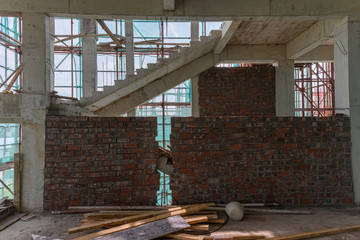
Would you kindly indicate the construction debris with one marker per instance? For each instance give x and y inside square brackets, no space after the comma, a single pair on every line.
[150,223]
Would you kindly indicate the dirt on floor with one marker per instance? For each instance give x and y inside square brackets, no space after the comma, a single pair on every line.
[269,225]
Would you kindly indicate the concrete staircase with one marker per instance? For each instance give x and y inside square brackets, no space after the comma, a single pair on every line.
[156,79]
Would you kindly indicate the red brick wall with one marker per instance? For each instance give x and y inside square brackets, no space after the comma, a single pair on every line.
[100,161]
[286,160]
[248,91]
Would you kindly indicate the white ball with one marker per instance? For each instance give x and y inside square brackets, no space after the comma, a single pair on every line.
[235,210]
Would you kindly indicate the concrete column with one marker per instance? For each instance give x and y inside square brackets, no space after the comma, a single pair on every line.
[194,31]
[195,108]
[89,60]
[35,101]
[129,38]
[347,88]
[52,51]
[284,88]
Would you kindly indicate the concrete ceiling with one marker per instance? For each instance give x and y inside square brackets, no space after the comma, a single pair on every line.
[269,31]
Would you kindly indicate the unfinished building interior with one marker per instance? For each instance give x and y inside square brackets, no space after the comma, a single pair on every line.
[180,102]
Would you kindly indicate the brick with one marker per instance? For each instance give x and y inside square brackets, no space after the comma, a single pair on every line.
[92,160]
[246,162]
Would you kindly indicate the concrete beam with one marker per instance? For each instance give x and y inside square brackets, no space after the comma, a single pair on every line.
[312,37]
[253,53]
[228,29]
[169,5]
[318,54]
[159,86]
[189,9]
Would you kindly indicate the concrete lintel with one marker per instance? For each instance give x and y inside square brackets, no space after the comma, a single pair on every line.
[312,37]
[228,29]
[253,53]
[189,8]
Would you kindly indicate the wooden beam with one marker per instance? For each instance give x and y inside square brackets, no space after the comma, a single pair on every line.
[12,74]
[228,29]
[6,166]
[319,233]
[1,181]
[144,221]
[17,182]
[108,31]
[16,75]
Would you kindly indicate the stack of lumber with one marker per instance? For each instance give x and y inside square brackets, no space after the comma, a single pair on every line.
[166,223]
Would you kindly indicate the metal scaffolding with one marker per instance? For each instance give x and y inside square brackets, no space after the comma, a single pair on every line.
[10,54]
[314,89]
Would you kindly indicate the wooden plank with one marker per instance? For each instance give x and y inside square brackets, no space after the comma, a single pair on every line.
[104,208]
[1,181]
[181,212]
[117,214]
[2,200]
[108,31]
[28,217]
[319,233]
[151,230]
[17,182]
[116,222]
[13,80]
[220,220]
[10,220]
[276,211]
[248,237]
[204,227]
[6,166]
[185,236]
[196,219]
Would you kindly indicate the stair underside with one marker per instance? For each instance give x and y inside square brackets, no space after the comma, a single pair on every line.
[134,91]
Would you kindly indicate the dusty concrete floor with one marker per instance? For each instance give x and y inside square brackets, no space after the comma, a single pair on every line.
[270,225]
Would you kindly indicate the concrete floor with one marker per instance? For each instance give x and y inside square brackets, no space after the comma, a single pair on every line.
[269,225]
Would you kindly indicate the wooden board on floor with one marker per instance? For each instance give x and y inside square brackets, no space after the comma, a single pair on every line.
[183,212]
[150,231]
[320,233]
[10,220]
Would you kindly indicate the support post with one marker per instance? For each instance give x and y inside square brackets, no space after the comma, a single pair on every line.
[89,54]
[347,89]
[129,38]
[51,54]
[17,182]
[35,102]
[284,88]
[195,108]
[194,31]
